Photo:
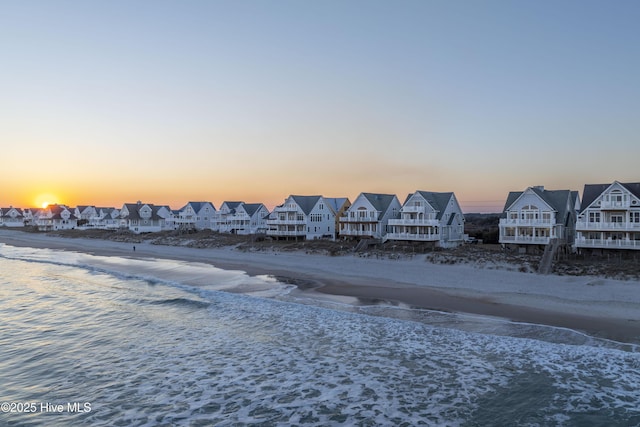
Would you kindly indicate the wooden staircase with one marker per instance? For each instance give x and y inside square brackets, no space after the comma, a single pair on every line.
[546,262]
[365,243]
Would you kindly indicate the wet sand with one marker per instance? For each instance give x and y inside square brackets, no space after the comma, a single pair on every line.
[600,307]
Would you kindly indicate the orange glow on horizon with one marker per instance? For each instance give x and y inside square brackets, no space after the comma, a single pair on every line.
[45,199]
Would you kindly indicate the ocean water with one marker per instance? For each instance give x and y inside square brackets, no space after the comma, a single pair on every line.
[88,340]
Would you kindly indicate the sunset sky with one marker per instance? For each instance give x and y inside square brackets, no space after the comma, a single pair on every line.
[169,101]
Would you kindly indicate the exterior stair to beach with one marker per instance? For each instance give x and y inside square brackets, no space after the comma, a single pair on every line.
[365,243]
[546,262]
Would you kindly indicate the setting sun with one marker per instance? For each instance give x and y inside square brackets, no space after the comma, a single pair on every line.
[46,199]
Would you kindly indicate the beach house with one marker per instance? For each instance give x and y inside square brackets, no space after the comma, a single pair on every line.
[249,218]
[536,217]
[12,217]
[305,217]
[195,216]
[427,216]
[106,218]
[610,217]
[223,216]
[56,217]
[143,217]
[339,205]
[368,215]
[85,214]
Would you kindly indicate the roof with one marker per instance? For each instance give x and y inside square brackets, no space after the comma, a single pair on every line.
[592,191]
[306,203]
[5,211]
[232,205]
[380,202]
[134,208]
[556,199]
[335,203]
[438,201]
[252,208]
[56,211]
[197,206]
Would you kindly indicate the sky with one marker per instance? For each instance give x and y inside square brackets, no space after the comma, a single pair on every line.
[107,102]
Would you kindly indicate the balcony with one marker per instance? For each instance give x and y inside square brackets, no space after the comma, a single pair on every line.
[286,222]
[615,205]
[525,240]
[359,233]
[286,233]
[415,222]
[617,226]
[413,237]
[356,220]
[538,223]
[284,208]
[412,209]
[608,243]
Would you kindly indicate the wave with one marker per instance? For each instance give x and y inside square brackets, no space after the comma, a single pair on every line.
[182,302]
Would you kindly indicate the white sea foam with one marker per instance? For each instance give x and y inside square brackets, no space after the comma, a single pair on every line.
[159,352]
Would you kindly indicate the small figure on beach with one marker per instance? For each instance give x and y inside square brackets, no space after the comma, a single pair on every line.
[134,248]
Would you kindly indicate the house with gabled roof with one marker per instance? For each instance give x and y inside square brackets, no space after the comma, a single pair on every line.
[368,215]
[610,217]
[12,217]
[306,217]
[428,216]
[107,218]
[339,206]
[86,216]
[536,217]
[195,215]
[28,215]
[248,218]
[56,217]
[143,217]
[223,216]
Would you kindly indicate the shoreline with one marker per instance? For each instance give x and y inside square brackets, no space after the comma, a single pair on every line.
[604,308]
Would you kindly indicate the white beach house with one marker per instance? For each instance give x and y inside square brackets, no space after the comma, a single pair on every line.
[195,215]
[535,217]
[610,218]
[427,216]
[86,215]
[248,218]
[306,217]
[223,216]
[12,217]
[106,218]
[143,217]
[56,217]
[369,215]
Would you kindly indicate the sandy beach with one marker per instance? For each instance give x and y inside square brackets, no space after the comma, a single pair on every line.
[598,306]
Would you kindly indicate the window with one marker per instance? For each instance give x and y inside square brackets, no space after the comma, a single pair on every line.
[616,218]
[634,217]
[594,216]
[616,196]
[530,213]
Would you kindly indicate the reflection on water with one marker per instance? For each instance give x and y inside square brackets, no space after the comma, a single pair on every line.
[149,351]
